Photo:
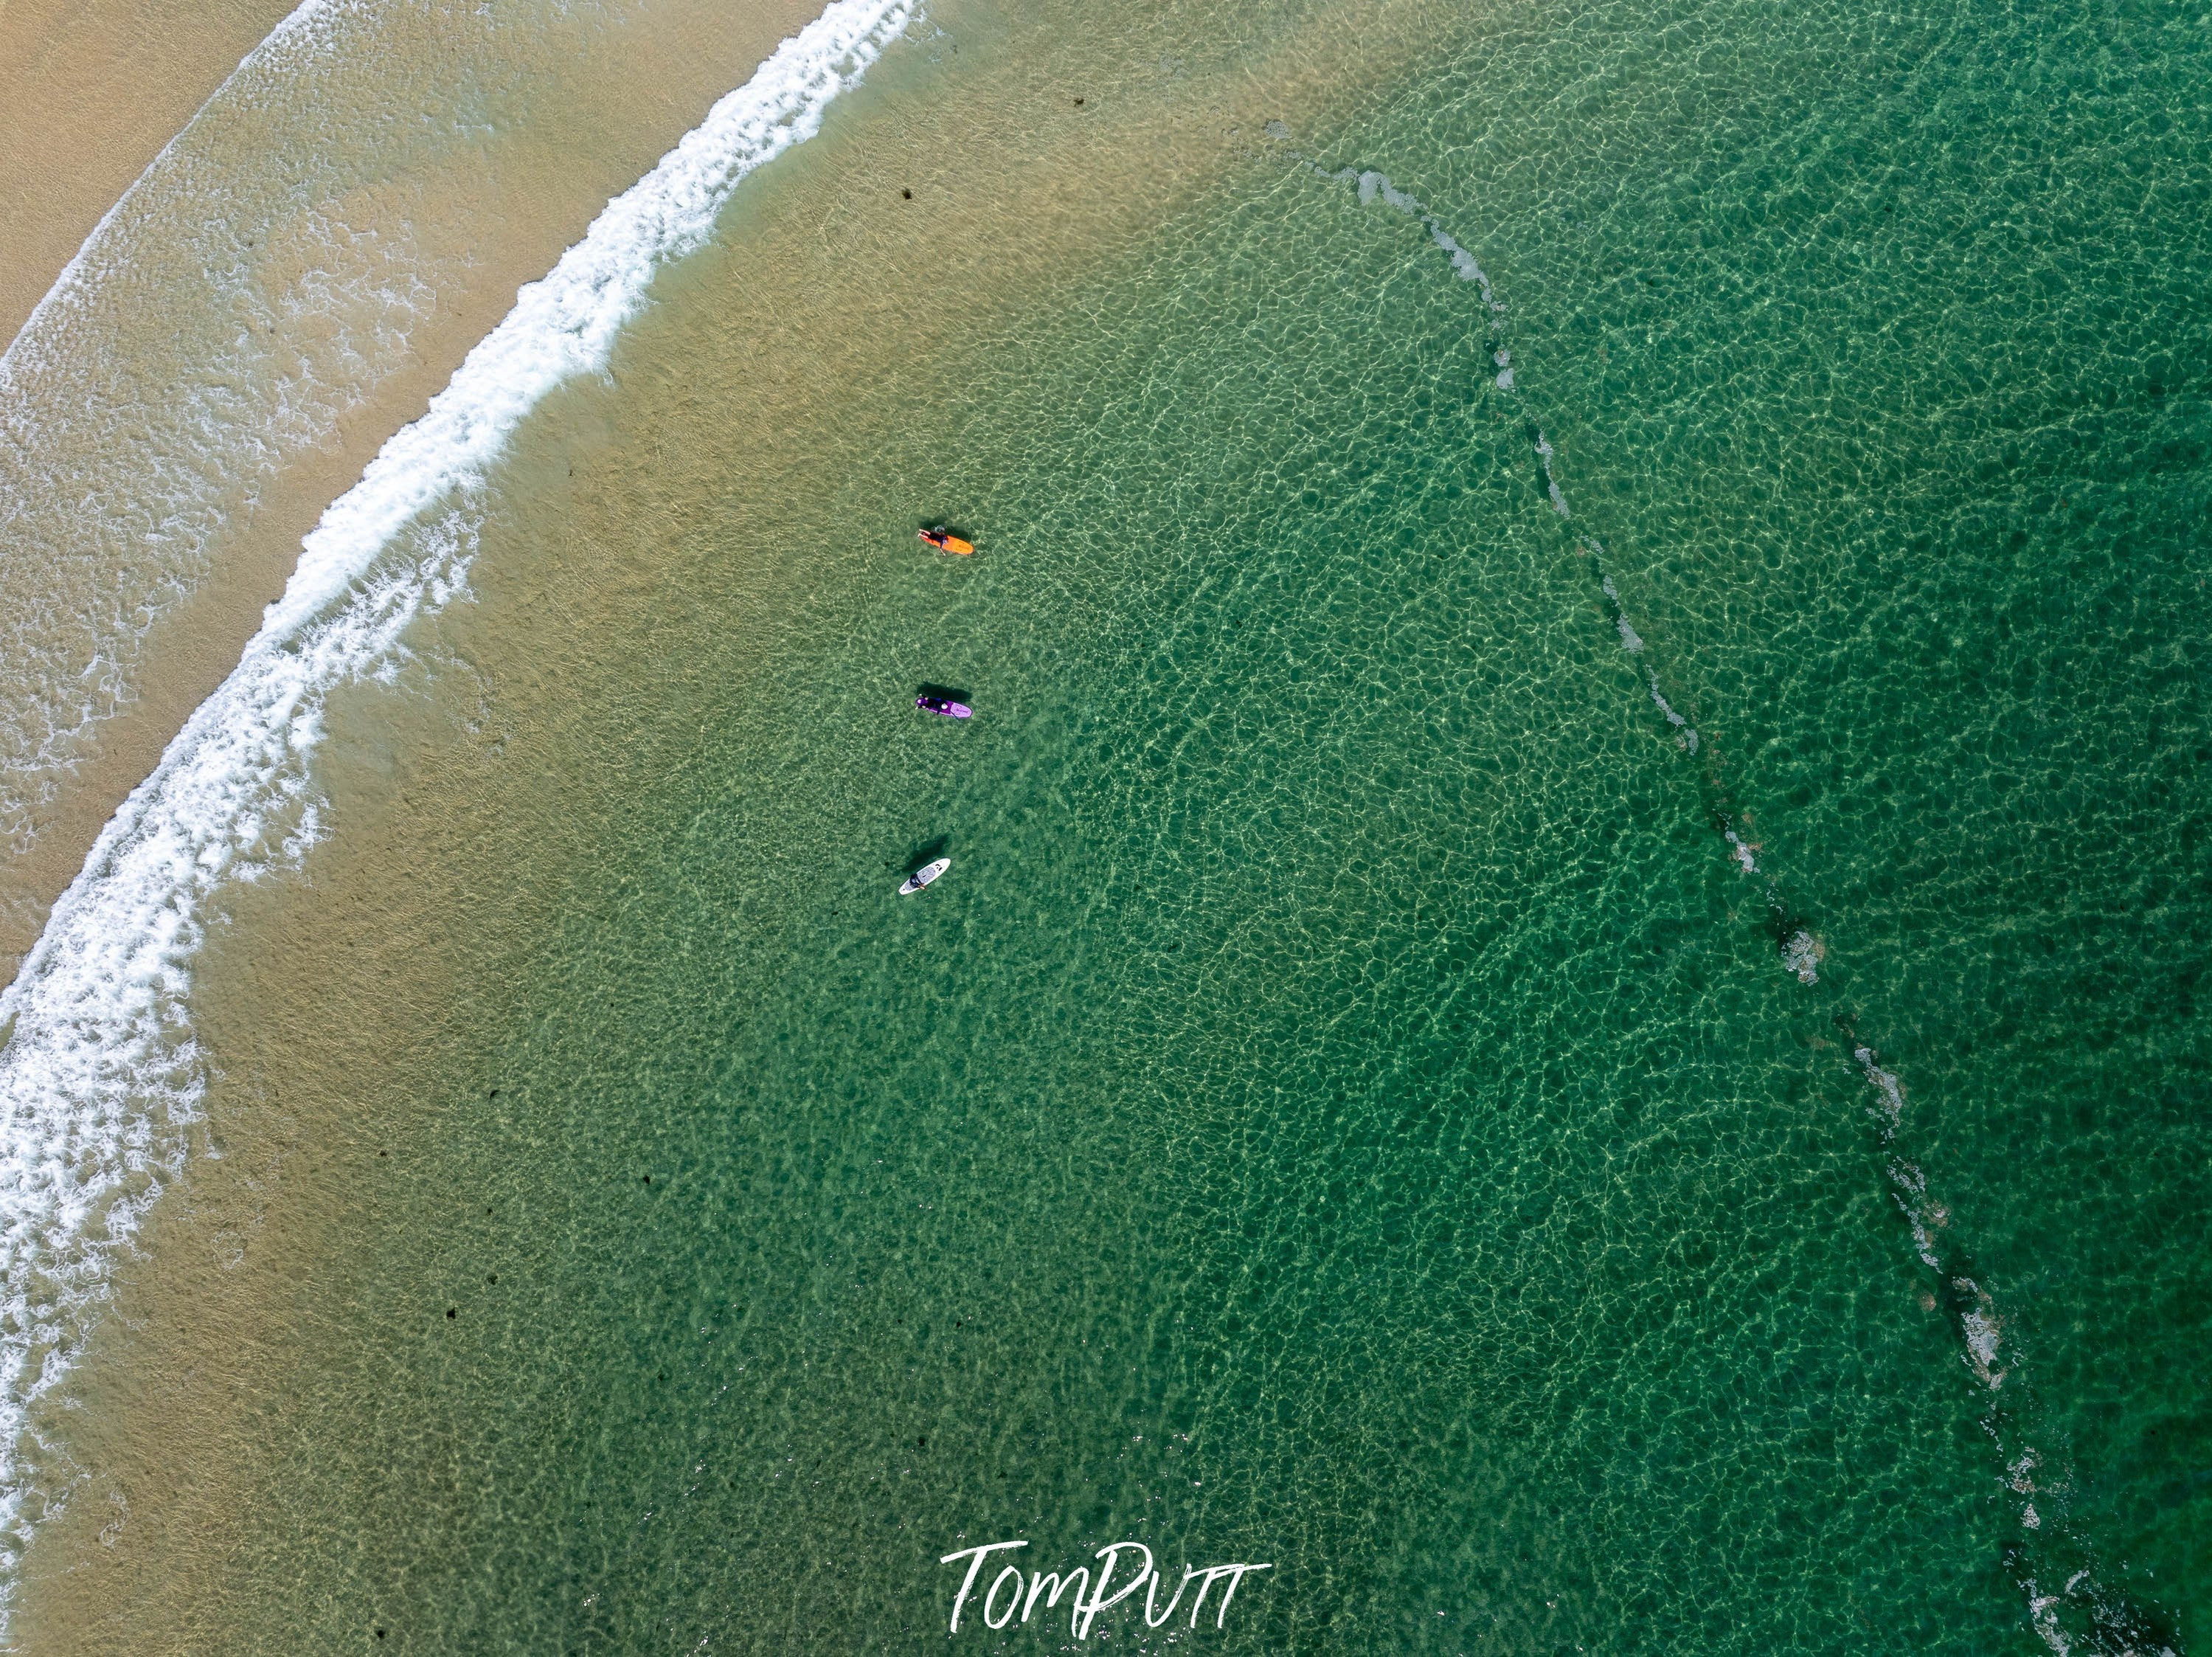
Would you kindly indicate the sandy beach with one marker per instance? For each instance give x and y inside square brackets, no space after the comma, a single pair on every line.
[1565,1002]
[503,224]
[88,94]
[842,296]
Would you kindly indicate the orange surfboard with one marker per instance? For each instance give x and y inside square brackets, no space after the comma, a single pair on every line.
[945,541]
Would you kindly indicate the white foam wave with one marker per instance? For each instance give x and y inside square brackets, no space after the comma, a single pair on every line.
[71,287]
[110,555]
[1983,1331]
[1886,1084]
[99,1077]
[563,326]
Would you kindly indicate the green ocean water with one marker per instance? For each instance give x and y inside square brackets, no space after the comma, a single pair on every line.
[1345,1106]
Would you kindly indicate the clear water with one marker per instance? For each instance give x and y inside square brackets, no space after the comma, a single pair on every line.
[1347,1105]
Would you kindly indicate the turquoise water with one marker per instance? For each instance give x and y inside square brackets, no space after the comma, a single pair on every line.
[1347,1106]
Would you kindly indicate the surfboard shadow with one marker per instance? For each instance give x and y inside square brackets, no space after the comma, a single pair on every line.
[928,854]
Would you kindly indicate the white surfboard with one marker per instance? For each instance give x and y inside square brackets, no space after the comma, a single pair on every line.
[922,876]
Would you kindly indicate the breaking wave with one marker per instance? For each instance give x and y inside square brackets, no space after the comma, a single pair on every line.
[99,1077]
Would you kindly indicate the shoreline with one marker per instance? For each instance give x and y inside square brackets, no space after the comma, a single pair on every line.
[602,1210]
[656,85]
[96,1018]
[88,97]
[263,1261]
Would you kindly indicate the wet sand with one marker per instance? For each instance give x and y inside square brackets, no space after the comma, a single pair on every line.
[837,298]
[88,94]
[602,132]
[314,1415]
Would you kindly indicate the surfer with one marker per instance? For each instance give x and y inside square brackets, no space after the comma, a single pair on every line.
[922,876]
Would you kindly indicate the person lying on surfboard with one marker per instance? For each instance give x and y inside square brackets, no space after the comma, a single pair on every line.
[945,541]
[922,876]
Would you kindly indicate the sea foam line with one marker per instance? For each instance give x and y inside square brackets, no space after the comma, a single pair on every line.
[71,283]
[99,1076]
[2101,1620]
[54,701]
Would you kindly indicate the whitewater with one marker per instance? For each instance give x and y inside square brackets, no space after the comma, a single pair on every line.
[164,491]
[100,1078]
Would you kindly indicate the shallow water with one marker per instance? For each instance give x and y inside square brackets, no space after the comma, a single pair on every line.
[286,282]
[1371,1094]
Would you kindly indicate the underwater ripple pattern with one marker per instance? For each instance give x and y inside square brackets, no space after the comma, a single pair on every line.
[1370,1095]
